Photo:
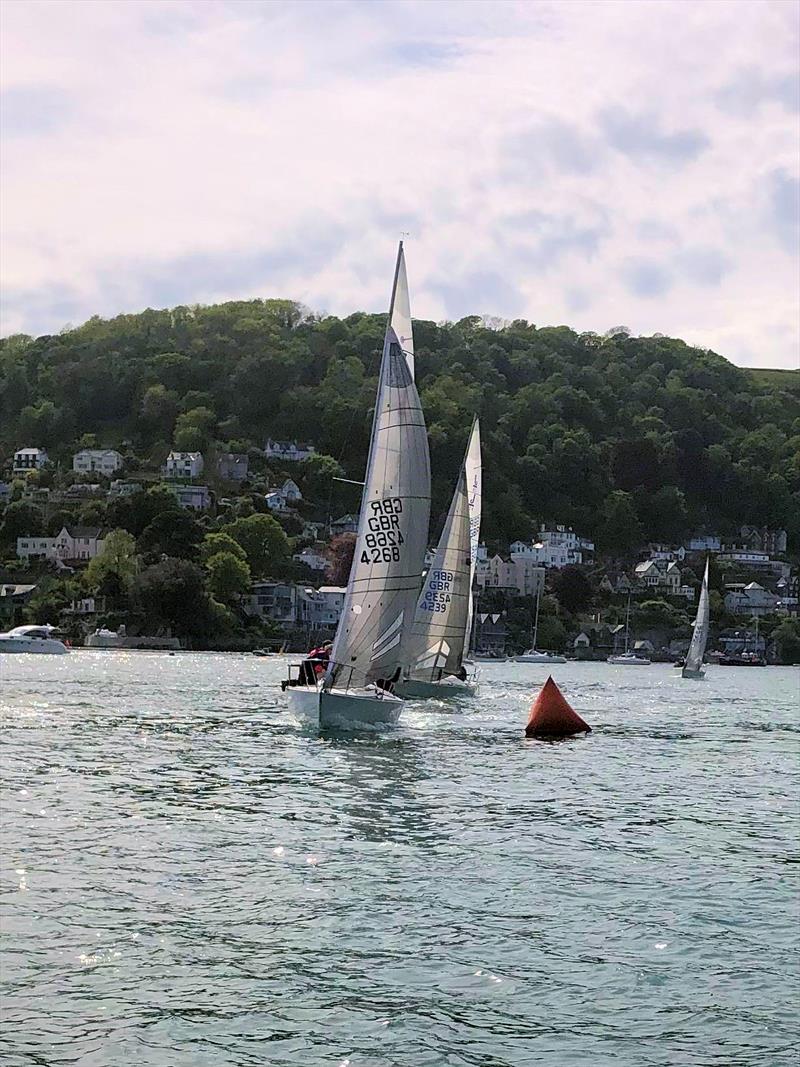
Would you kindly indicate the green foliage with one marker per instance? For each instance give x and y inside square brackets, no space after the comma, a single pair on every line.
[625,438]
[19,520]
[172,533]
[264,542]
[228,576]
[572,589]
[50,597]
[111,572]
[220,542]
[172,595]
[787,640]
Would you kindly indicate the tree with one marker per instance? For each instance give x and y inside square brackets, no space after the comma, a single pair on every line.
[220,542]
[263,540]
[111,572]
[172,595]
[20,519]
[787,641]
[620,529]
[48,600]
[228,576]
[572,589]
[172,533]
[340,558]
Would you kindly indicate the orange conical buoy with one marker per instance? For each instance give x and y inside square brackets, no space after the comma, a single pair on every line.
[551,715]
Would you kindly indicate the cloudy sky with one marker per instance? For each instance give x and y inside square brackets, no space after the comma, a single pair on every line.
[592,164]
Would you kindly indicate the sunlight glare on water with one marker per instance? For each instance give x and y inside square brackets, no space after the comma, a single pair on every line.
[192,879]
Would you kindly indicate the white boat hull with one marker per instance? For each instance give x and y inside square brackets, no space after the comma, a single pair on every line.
[539,657]
[417,689]
[628,661]
[336,709]
[42,646]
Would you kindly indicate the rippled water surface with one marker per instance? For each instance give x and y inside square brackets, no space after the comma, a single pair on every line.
[191,878]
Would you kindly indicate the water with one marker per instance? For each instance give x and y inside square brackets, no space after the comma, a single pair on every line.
[190,878]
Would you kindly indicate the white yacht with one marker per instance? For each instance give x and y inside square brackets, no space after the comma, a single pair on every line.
[534,654]
[628,658]
[32,639]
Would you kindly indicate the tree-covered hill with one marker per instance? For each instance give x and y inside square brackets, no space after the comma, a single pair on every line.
[625,438]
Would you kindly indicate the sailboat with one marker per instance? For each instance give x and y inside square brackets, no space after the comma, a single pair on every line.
[534,655]
[628,658]
[440,629]
[371,646]
[693,668]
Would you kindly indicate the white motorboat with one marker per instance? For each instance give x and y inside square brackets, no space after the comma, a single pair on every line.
[370,650]
[693,667]
[36,639]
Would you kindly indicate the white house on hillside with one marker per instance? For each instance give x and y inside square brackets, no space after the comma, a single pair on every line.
[29,459]
[322,607]
[184,465]
[72,543]
[283,498]
[659,574]
[313,557]
[103,460]
[558,547]
[519,575]
[293,451]
[751,599]
[193,497]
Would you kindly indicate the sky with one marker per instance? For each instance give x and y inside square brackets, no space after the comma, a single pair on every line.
[591,164]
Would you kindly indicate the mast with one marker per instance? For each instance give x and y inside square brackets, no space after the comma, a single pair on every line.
[536,617]
[628,624]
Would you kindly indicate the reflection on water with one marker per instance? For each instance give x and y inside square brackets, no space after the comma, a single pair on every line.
[191,878]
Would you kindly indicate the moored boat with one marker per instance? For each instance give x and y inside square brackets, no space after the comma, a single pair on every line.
[35,639]
[628,658]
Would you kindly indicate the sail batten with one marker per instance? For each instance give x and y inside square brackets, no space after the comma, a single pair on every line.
[373,633]
[697,646]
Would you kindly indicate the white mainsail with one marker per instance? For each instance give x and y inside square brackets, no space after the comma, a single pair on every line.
[400,311]
[371,642]
[697,647]
[439,631]
[474,475]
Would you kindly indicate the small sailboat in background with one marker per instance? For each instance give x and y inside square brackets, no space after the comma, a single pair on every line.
[440,630]
[628,658]
[371,647]
[693,667]
[534,655]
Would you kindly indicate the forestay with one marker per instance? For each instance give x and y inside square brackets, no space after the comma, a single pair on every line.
[474,475]
[697,647]
[439,631]
[372,639]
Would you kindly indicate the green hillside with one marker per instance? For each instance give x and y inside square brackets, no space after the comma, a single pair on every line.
[625,438]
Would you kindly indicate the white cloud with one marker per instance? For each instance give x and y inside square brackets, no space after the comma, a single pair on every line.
[582,163]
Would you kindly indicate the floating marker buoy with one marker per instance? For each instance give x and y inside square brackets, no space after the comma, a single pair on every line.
[551,715]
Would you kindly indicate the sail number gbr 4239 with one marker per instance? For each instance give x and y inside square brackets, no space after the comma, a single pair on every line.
[383,538]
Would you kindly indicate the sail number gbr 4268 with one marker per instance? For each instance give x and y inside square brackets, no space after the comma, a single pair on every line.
[383,538]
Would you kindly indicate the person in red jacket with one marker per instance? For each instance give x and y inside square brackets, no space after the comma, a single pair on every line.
[313,666]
